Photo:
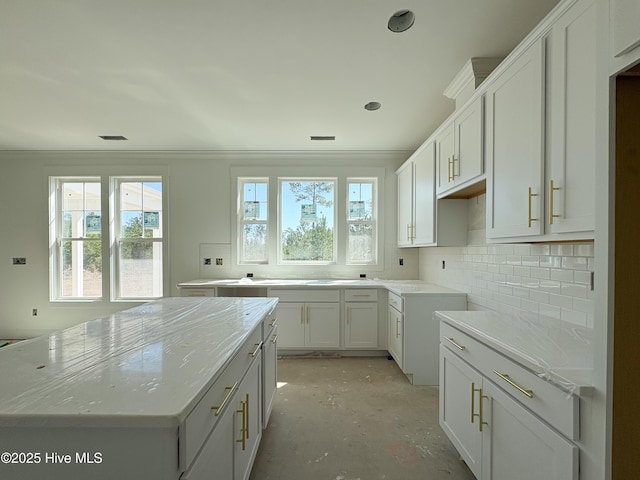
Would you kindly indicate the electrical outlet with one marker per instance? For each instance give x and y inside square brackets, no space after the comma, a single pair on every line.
[34,312]
[19,260]
[363,275]
[207,261]
[249,275]
[218,261]
[401,262]
[443,264]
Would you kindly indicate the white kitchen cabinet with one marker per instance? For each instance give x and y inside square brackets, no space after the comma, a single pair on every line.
[625,26]
[361,319]
[308,323]
[459,149]
[248,420]
[571,122]
[423,221]
[395,325]
[519,429]
[515,147]
[269,369]
[416,199]
[413,331]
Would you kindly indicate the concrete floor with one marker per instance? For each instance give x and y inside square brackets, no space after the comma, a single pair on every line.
[354,418]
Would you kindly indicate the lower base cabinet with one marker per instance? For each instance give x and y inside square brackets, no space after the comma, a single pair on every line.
[496,436]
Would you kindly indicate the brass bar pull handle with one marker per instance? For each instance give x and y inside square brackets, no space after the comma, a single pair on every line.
[473,401]
[529,203]
[219,408]
[302,315]
[243,437]
[506,378]
[455,344]
[453,167]
[348,314]
[481,418]
[308,316]
[361,295]
[274,323]
[275,338]
[397,327]
[255,352]
[408,231]
[551,190]
[449,165]
[246,428]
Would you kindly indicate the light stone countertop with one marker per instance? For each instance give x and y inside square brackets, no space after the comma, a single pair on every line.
[148,365]
[555,350]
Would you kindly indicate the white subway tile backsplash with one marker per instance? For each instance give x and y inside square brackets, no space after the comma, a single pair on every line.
[549,279]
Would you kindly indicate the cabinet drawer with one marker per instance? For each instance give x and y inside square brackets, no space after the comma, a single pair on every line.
[203,418]
[361,295]
[396,302]
[198,292]
[304,295]
[555,406]
[268,325]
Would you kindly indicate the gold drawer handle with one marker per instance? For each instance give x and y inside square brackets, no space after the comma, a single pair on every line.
[273,324]
[275,338]
[530,219]
[552,189]
[506,378]
[255,352]
[455,344]
[219,408]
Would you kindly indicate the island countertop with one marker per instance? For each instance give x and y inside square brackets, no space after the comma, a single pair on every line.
[149,364]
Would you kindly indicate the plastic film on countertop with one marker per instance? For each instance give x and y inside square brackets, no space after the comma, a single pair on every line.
[148,360]
[556,350]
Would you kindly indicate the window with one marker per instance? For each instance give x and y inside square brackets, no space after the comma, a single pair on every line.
[77,235]
[91,261]
[361,221]
[138,238]
[253,225]
[307,220]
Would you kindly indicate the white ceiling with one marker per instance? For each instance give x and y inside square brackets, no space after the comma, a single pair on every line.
[239,74]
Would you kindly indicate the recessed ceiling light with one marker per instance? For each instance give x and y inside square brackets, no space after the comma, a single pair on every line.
[371,106]
[401,21]
[112,137]
[322,137]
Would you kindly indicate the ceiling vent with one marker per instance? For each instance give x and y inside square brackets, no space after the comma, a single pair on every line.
[322,137]
[113,137]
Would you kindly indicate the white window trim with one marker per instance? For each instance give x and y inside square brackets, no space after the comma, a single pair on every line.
[240,223]
[374,186]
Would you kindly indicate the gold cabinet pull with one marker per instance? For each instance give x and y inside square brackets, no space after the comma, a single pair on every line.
[455,344]
[308,316]
[302,315]
[453,167]
[218,408]
[274,322]
[408,232]
[506,378]
[551,190]
[246,428]
[348,314]
[529,203]
[449,165]
[275,338]
[481,421]
[255,352]
[243,430]
[397,327]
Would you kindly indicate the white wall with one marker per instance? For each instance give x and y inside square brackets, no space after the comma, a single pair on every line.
[199,209]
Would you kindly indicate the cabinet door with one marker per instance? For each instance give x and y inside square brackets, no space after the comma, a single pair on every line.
[291,322]
[405,204]
[394,336]
[216,457]
[572,121]
[248,421]
[458,408]
[424,195]
[468,159]
[515,106]
[625,26]
[270,369]
[517,444]
[445,150]
[361,325]
[323,325]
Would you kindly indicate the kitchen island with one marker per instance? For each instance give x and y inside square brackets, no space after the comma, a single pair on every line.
[166,390]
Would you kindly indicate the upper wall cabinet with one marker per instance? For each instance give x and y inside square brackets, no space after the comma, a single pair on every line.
[515,153]
[459,148]
[416,199]
[625,26]
[541,121]
[422,221]
[571,122]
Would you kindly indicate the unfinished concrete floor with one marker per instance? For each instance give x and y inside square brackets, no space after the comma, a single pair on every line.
[354,418]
